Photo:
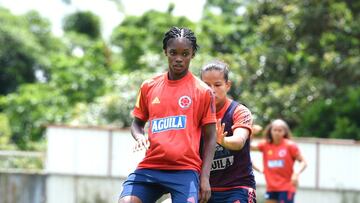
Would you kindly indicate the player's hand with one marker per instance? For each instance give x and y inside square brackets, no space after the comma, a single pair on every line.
[220,134]
[141,144]
[256,129]
[295,179]
[205,190]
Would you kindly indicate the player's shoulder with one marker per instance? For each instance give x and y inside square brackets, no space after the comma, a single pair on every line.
[244,113]
[152,81]
[242,108]
[263,143]
[201,85]
[289,142]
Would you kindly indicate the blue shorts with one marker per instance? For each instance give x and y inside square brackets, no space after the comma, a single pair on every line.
[149,185]
[282,197]
[238,195]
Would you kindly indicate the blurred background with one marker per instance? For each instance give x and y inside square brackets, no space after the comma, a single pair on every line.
[71,63]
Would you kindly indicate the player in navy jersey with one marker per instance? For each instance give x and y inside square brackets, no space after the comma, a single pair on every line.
[231,176]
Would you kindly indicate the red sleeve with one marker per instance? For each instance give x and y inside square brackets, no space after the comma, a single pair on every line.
[242,118]
[141,108]
[294,150]
[261,145]
[209,113]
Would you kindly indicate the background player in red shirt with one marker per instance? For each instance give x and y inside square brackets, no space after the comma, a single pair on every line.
[279,156]
[180,109]
[231,178]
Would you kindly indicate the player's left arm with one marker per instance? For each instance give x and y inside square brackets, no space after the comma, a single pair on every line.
[303,164]
[242,129]
[208,123]
[234,142]
[208,151]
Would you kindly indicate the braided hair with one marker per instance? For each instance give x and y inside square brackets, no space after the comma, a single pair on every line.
[176,32]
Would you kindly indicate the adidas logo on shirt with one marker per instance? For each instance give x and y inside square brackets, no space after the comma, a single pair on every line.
[156,101]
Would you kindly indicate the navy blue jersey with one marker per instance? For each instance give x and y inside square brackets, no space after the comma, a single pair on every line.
[231,169]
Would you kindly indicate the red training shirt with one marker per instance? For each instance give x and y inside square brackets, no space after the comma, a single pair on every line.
[176,111]
[278,161]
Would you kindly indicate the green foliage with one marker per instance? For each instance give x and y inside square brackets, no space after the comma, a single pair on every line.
[5,132]
[293,56]
[81,78]
[115,107]
[30,109]
[83,22]
[73,70]
[25,44]
[298,60]
[21,162]
[335,118]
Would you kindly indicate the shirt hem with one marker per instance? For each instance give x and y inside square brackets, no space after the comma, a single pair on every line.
[222,189]
[139,116]
[208,122]
[169,169]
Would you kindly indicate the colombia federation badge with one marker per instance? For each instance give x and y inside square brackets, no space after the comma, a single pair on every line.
[184,102]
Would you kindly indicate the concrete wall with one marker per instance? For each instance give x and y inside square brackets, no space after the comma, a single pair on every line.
[22,188]
[82,189]
[32,188]
[86,189]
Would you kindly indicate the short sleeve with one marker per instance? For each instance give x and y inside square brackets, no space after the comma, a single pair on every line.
[261,145]
[209,112]
[141,108]
[294,150]
[242,118]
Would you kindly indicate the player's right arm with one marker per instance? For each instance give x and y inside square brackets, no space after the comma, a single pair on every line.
[257,168]
[254,146]
[141,115]
[257,146]
[137,131]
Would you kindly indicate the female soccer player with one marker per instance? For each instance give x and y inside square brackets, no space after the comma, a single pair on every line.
[180,109]
[279,156]
[231,176]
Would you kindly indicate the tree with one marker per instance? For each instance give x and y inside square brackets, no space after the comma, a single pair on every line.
[30,108]
[341,120]
[113,108]
[25,42]
[5,132]
[73,70]
[83,22]
[292,56]
[82,78]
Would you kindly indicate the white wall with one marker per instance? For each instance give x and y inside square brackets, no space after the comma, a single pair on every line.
[105,153]
[124,160]
[90,151]
[77,151]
